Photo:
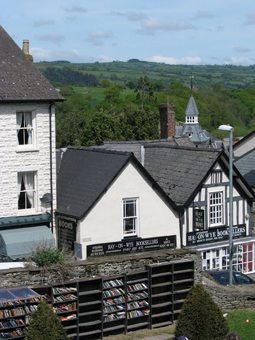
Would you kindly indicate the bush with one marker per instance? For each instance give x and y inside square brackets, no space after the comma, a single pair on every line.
[201,318]
[44,325]
[47,256]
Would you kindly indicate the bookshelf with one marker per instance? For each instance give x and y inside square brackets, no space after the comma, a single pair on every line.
[64,303]
[137,297]
[183,280]
[90,309]
[15,307]
[161,294]
[114,305]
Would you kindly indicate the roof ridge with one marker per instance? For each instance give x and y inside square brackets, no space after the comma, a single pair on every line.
[93,149]
[189,148]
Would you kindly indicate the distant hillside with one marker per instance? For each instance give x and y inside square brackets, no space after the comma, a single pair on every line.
[91,74]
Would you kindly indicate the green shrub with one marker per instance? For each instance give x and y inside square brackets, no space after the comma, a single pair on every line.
[47,256]
[201,318]
[45,325]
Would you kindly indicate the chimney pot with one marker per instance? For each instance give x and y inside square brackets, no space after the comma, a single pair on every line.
[25,50]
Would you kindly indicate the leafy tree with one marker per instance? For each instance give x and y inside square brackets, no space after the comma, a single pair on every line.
[200,317]
[44,325]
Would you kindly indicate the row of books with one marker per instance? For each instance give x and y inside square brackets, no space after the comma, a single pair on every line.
[138,313]
[115,316]
[68,317]
[137,286]
[65,308]
[15,333]
[7,313]
[137,296]
[115,301]
[11,323]
[63,290]
[30,309]
[113,283]
[113,292]
[136,304]
[62,298]
[112,309]
[11,303]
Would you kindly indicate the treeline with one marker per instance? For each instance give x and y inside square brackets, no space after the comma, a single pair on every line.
[67,76]
[111,111]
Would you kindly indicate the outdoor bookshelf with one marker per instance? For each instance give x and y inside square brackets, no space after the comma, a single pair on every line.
[114,305]
[90,309]
[138,309]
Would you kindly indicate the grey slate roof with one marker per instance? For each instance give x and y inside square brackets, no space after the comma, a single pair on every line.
[191,109]
[246,166]
[20,80]
[136,146]
[179,171]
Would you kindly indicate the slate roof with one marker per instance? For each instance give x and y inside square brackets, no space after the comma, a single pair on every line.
[246,166]
[191,109]
[179,171]
[85,174]
[136,146]
[20,80]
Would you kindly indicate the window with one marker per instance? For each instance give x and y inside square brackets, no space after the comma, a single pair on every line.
[216,208]
[190,119]
[216,177]
[25,133]
[130,217]
[26,190]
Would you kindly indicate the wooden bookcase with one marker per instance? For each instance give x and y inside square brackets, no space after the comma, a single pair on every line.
[64,302]
[114,305]
[137,297]
[90,309]
[161,294]
[183,280]
[170,283]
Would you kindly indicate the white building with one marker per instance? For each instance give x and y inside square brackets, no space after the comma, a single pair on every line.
[27,151]
[109,204]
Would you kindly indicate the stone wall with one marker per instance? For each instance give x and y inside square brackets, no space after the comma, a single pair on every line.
[234,297]
[105,266]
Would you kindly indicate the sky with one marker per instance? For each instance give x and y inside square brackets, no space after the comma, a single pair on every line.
[191,32]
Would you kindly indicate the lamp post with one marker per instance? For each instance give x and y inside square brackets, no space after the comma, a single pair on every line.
[230,129]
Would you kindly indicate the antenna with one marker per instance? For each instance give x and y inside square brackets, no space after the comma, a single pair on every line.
[191,82]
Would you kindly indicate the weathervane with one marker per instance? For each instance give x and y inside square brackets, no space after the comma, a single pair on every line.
[191,82]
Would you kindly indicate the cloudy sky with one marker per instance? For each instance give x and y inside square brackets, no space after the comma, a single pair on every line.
[169,31]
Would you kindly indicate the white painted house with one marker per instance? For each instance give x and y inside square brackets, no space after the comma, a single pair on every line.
[27,151]
[109,204]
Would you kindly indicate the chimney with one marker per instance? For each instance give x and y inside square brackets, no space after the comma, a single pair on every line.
[167,121]
[26,50]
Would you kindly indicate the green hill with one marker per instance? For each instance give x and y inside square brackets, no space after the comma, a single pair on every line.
[120,100]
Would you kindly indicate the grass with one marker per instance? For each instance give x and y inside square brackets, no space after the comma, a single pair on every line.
[243,323]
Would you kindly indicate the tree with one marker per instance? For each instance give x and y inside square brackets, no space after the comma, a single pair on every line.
[45,325]
[201,318]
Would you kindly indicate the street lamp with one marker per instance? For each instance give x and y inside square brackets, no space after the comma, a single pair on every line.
[230,129]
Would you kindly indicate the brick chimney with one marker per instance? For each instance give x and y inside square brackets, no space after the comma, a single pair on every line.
[167,121]
[26,50]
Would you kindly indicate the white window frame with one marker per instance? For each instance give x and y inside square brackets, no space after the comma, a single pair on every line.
[216,221]
[32,129]
[216,177]
[30,193]
[134,231]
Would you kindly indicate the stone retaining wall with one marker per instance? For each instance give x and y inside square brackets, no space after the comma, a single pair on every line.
[105,267]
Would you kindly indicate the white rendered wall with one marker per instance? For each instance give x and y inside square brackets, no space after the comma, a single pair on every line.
[36,159]
[104,222]
[244,147]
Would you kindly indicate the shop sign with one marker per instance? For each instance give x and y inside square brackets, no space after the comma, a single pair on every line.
[214,235]
[132,245]
[198,218]
[66,229]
